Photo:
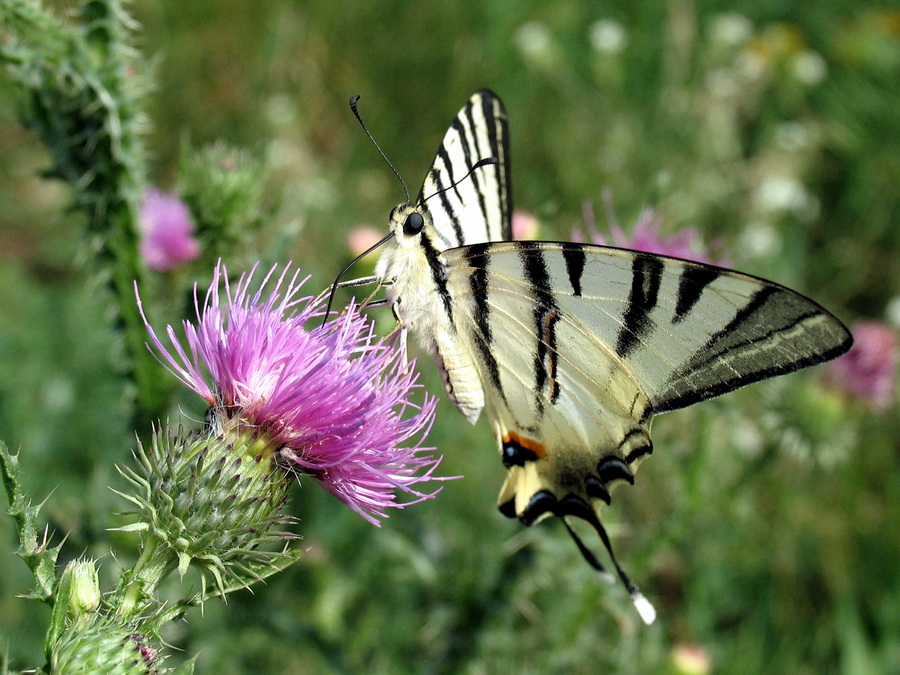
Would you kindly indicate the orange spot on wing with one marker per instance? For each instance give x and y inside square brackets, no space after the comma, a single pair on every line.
[527,443]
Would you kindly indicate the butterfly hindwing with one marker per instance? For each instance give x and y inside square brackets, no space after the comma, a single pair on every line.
[477,208]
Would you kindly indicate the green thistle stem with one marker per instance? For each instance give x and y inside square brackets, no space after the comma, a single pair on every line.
[154,564]
[85,103]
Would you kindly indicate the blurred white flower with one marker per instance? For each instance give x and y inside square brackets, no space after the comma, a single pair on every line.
[747,438]
[731,28]
[759,240]
[792,136]
[723,83]
[782,193]
[533,38]
[809,68]
[58,394]
[608,36]
[280,110]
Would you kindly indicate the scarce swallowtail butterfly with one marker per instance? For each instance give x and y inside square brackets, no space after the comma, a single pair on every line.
[570,349]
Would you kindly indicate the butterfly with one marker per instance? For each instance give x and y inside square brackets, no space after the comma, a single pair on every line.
[570,349]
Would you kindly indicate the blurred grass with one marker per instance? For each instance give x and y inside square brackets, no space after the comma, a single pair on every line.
[765,526]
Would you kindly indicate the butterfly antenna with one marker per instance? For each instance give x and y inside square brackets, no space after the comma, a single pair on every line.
[344,271]
[480,163]
[641,604]
[353,101]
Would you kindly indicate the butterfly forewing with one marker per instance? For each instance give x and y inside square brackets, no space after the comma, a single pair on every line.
[477,208]
[684,331]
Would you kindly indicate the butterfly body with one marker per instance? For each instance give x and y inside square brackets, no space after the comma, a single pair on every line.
[416,287]
[570,349]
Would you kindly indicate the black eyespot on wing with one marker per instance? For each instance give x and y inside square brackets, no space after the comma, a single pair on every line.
[413,224]
[516,454]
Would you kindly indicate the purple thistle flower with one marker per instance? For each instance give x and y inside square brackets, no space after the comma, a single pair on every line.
[166,230]
[332,400]
[866,372]
[645,237]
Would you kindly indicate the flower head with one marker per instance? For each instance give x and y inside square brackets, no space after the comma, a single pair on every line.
[167,230]
[332,401]
[646,237]
[867,371]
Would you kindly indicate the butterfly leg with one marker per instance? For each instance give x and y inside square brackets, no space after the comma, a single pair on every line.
[352,283]
[369,303]
[399,328]
[401,335]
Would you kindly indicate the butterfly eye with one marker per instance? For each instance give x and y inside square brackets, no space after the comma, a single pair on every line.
[413,224]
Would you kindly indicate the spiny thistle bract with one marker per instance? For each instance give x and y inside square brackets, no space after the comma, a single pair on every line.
[214,502]
[105,645]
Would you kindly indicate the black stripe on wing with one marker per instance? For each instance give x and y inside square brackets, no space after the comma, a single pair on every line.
[647,271]
[444,167]
[474,215]
[575,259]
[775,333]
[693,281]
[483,336]
[438,273]
[473,153]
[498,138]
[545,315]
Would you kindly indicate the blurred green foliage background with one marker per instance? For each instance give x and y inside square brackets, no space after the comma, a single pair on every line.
[765,527]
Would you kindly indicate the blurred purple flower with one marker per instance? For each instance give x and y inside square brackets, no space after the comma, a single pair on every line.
[362,238]
[333,400]
[645,237]
[867,371]
[524,225]
[166,231]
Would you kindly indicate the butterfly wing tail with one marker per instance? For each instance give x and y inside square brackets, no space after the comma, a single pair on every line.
[523,479]
[644,607]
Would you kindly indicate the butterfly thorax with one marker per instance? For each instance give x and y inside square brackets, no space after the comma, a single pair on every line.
[415,280]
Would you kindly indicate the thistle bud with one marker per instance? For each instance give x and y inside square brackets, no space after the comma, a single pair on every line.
[83,589]
[102,645]
[213,500]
